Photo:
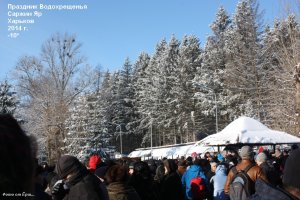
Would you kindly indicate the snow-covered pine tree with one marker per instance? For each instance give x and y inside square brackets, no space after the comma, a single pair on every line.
[215,100]
[8,100]
[189,61]
[78,138]
[170,91]
[125,113]
[153,94]
[106,98]
[140,82]
[244,58]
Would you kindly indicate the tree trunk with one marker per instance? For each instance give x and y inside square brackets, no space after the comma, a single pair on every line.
[297,78]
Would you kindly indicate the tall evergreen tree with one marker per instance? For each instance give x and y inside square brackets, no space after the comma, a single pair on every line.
[170,90]
[78,138]
[140,82]
[8,100]
[243,66]
[215,100]
[153,95]
[125,116]
[189,61]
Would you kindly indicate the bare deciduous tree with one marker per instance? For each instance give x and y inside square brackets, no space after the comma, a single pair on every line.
[48,85]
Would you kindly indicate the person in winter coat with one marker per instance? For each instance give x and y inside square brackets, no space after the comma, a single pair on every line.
[76,183]
[158,179]
[209,174]
[171,187]
[272,175]
[141,180]
[116,178]
[194,170]
[16,158]
[291,182]
[254,172]
[181,167]
[219,181]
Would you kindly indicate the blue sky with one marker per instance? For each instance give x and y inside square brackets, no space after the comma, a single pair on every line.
[111,30]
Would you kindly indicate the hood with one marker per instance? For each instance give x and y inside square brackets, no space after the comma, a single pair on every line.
[221,169]
[70,165]
[195,168]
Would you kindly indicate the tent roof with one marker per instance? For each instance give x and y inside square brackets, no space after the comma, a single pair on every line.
[246,130]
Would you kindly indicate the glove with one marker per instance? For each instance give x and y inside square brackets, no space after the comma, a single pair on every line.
[58,191]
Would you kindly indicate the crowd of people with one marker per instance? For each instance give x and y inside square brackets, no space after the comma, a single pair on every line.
[231,174]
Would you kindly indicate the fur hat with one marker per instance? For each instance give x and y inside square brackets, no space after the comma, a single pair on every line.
[291,171]
[246,152]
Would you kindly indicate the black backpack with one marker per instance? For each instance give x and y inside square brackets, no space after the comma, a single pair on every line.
[242,185]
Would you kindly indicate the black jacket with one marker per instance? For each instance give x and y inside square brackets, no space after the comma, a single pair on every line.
[171,187]
[265,191]
[88,188]
[272,175]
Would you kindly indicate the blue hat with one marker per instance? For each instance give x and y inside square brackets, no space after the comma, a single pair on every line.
[220,157]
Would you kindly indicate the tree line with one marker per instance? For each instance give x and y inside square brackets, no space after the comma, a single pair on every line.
[179,94]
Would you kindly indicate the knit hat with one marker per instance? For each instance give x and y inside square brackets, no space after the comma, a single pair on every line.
[194,154]
[261,149]
[291,171]
[261,157]
[246,152]
[94,162]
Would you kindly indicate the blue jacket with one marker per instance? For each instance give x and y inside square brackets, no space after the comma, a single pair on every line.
[192,172]
[219,181]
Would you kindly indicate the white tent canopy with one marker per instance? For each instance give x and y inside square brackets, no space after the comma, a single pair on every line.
[199,149]
[168,151]
[246,130]
[171,151]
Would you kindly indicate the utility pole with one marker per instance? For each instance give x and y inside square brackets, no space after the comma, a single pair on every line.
[121,145]
[121,140]
[217,130]
[151,137]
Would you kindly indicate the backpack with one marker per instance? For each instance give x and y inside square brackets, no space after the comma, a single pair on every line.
[199,188]
[242,185]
